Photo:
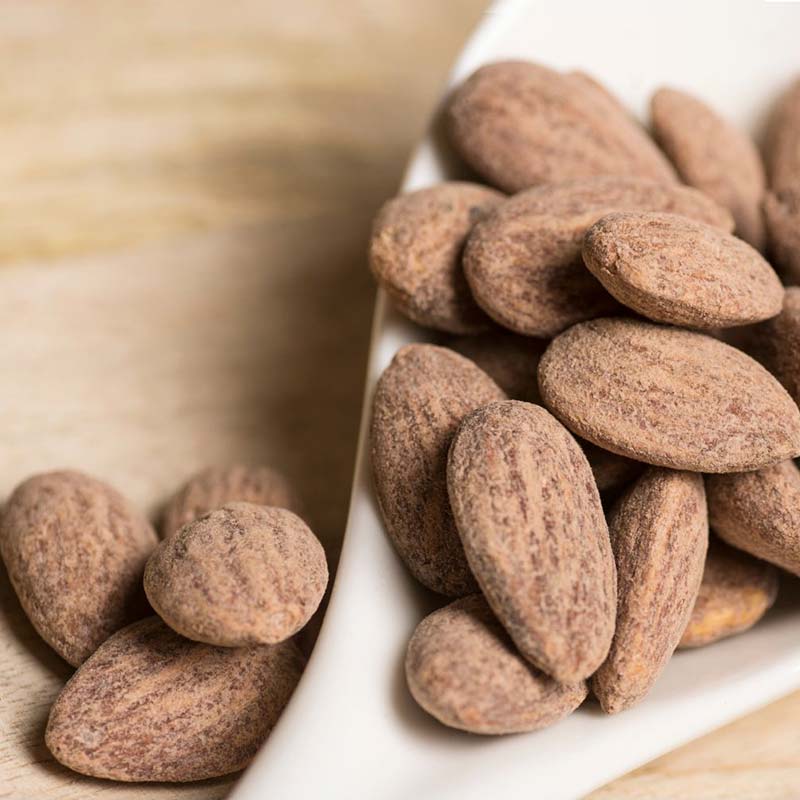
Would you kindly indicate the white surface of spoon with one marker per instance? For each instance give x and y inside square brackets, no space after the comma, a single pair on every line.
[352,730]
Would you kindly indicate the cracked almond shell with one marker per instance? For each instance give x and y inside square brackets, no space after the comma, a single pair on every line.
[150,705]
[462,668]
[420,400]
[529,515]
[523,261]
[659,532]
[668,397]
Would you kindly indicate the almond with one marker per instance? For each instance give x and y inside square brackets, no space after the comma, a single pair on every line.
[783,141]
[759,512]
[659,532]
[672,269]
[215,486]
[462,668]
[150,705]
[530,518]
[736,592]
[519,124]
[611,472]
[523,262]
[75,550]
[511,361]
[713,156]
[668,397]
[241,575]
[415,254]
[782,212]
[420,399]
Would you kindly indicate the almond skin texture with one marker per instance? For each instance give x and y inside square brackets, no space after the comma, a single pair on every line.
[530,518]
[420,399]
[415,254]
[215,486]
[241,575]
[782,145]
[736,592]
[150,705]
[519,124]
[511,361]
[713,156]
[671,269]
[776,343]
[782,212]
[759,512]
[462,668]
[659,532]
[523,262]
[668,397]
[75,551]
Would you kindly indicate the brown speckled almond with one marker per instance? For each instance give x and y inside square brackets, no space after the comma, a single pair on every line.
[420,399]
[213,487]
[524,262]
[713,156]
[415,253]
[511,361]
[150,705]
[759,512]
[737,590]
[462,668]
[782,212]
[241,575]
[782,145]
[672,269]
[529,515]
[669,397]
[75,550]
[659,532]
[519,124]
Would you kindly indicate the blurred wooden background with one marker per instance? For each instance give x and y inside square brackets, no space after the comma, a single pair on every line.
[186,191]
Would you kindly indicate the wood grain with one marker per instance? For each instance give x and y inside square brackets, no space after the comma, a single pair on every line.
[187,189]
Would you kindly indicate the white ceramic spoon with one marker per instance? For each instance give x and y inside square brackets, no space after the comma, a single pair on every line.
[352,730]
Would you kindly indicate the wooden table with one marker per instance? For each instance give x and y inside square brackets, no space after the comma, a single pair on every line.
[186,191]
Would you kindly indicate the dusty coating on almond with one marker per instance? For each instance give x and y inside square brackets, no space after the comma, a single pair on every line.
[75,550]
[659,532]
[523,262]
[150,705]
[759,512]
[462,668]
[675,270]
[420,399]
[415,254]
[215,486]
[736,591]
[241,575]
[519,124]
[713,156]
[664,396]
[529,514]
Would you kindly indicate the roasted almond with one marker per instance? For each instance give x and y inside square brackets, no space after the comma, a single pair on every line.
[782,212]
[215,486]
[519,124]
[669,397]
[462,668]
[241,575]
[659,532]
[511,361]
[75,550]
[782,145]
[672,269]
[415,254]
[529,515]
[611,472]
[759,512]
[524,262]
[713,156]
[150,705]
[736,591]
[420,399]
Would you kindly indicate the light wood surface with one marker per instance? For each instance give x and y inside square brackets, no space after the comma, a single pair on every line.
[186,191]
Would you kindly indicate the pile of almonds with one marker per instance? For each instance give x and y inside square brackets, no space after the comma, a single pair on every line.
[193,692]
[619,377]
